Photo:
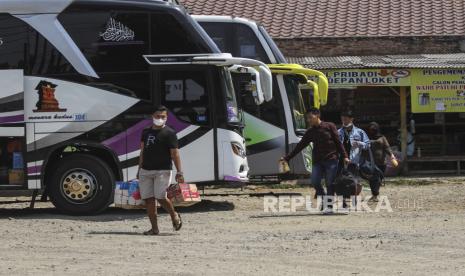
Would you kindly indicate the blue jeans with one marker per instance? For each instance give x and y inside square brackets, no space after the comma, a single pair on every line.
[328,169]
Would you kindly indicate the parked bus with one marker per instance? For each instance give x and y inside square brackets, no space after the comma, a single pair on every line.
[79,80]
[274,128]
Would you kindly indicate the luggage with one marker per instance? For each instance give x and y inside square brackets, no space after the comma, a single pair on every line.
[18,163]
[183,194]
[347,184]
[127,195]
[16,177]
[369,171]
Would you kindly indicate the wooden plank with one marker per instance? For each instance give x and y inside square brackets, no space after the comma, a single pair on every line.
[436,159]
[403,124]
[433,172]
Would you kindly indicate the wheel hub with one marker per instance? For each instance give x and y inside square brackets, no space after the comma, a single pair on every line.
[78,185]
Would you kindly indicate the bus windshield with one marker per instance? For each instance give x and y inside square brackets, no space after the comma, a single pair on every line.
[233,112]
[274,48]
[296,103]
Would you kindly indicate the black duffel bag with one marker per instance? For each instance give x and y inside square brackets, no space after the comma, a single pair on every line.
[347,183]
[369,171]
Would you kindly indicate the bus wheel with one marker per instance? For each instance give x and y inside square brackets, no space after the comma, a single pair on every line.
[81,185]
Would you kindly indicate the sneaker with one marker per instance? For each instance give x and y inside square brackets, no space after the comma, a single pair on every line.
[343,211]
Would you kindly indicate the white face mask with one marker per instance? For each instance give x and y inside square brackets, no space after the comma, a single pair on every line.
[348,125]
[159,122]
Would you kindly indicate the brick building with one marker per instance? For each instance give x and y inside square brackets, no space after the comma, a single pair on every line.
[422,40]
[348,27]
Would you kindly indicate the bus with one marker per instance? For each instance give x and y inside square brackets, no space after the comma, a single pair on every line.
[79,80]
[274,128]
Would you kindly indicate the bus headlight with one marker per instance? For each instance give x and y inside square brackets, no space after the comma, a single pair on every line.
[238,149]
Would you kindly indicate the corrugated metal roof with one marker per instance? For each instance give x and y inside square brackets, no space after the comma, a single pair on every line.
[343,18]
[390,61]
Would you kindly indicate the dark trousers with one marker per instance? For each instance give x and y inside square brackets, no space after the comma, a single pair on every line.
[328,169]
[376,184]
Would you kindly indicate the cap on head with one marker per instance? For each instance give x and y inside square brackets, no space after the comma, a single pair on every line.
[347,113]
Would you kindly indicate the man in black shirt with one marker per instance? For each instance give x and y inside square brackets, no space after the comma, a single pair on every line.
[158,150]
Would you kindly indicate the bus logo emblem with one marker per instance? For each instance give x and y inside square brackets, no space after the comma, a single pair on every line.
[47,101]
[116,31]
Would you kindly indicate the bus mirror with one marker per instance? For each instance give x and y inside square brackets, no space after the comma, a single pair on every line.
[316,93]
[323,89]
[266,80]
[254,86]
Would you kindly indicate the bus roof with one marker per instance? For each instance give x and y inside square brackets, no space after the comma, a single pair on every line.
[57,6]
[224,19]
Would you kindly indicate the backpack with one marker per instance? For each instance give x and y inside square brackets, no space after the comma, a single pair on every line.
[368,169]
[347,184]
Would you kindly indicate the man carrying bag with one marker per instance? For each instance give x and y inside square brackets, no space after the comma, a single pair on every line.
[158,150]
[327,148]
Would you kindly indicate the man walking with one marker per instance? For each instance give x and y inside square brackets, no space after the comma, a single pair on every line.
[158,150]
[354,139]
[327,149]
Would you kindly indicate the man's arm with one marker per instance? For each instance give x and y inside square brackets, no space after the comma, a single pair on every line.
[365,143]
[141,157]
[387,148]
[176,157]
[173,144]
[335,134]
[304,142]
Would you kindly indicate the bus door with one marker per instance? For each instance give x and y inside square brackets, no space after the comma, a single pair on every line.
[187,92]
[12,131]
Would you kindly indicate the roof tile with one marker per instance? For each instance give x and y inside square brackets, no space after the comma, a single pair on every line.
[343,18]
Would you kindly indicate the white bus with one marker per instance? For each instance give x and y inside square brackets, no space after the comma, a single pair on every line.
[79,79]
[274,128]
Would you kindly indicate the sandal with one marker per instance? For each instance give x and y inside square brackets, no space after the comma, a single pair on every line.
[151,232]
[177,224]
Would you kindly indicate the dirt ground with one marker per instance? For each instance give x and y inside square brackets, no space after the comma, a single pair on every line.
[232,235]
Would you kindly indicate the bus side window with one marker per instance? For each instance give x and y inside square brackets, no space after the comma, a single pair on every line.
[13,39]
[185,94]
[168,36]
[114,42]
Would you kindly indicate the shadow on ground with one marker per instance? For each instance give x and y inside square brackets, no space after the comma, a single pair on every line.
[111,214]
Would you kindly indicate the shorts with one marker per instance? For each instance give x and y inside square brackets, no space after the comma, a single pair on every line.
[154,183]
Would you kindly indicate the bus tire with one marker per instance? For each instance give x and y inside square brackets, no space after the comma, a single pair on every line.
[81,184]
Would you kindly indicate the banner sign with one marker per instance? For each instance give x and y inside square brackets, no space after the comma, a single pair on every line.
[432,90]
[349,78]
[438,90]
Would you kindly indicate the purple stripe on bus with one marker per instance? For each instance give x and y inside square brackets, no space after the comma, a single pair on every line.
[175,123]
[12,119]
[129,141]
[34,169]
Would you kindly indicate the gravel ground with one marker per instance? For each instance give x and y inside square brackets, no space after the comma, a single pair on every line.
[231,235]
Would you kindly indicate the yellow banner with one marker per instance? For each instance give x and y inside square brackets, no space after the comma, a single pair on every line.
[349,78]
[438,90]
